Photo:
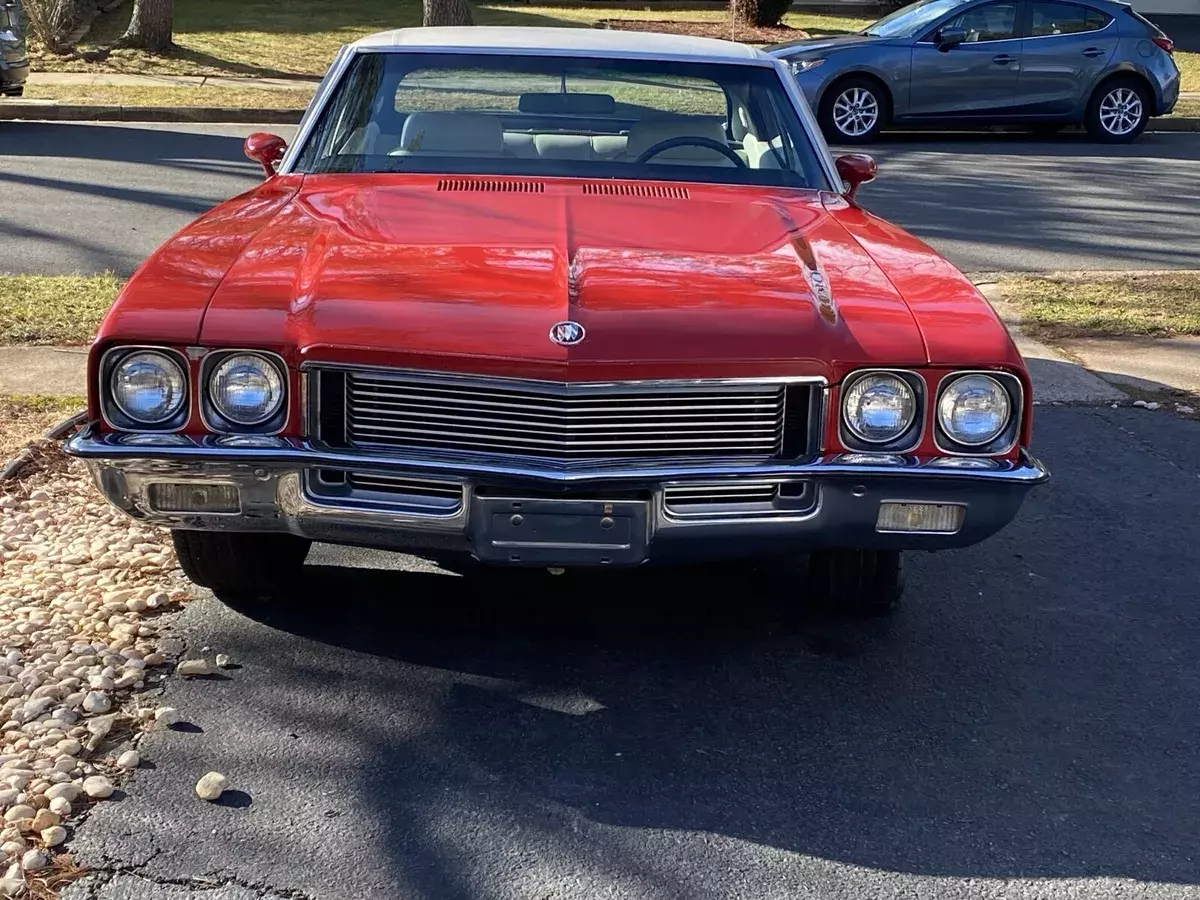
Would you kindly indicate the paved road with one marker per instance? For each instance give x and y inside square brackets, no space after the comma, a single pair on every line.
[1025,728]
[82,197]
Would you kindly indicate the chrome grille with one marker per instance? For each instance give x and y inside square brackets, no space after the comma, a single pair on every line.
[731,492]
[385,410]
[436,496]
[412,487]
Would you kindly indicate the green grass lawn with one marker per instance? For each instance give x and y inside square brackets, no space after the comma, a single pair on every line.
[1188,108]
[1094,304]
[54,309]
[268,38]
[1189,69]
[222,97]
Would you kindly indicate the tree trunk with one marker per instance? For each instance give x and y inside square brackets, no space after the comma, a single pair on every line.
[151,26]
[447,12]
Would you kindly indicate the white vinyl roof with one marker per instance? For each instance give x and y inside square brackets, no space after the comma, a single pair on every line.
[598,42]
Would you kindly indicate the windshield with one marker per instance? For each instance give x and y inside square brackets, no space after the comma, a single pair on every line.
[634,119]
[912,19]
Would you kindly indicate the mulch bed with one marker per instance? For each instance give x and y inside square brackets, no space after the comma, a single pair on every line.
[725,31]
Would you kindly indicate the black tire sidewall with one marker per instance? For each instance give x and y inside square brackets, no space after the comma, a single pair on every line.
[1092,120]
[825,116]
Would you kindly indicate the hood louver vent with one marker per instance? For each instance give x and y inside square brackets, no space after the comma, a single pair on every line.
[479,184]
[636,190]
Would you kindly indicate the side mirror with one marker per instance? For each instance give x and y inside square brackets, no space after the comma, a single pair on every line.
[949,38]
[266,150]
[856,169]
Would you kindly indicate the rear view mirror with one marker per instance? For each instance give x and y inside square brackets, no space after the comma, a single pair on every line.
[948,38]
[266,150]
[856,169]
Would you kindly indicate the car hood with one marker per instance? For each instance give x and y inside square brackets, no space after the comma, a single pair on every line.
[471,274]
[809,46]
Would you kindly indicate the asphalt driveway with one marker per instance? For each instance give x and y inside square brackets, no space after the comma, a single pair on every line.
[78,197]
[1025,728]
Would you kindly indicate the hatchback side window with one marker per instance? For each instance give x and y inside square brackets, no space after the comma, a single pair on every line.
[990,22]
[1066,18]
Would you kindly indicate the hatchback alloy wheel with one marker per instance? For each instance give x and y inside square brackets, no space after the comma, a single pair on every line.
[1118,112]
[1121,111]
[855,112]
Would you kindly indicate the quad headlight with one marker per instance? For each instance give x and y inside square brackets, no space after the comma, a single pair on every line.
[147,388]
[879,408]
[246,389]
[974,410]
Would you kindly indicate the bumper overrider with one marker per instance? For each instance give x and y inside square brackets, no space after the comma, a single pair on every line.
[534,513]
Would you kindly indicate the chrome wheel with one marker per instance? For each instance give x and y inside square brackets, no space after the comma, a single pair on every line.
[855,112]
[1121,111]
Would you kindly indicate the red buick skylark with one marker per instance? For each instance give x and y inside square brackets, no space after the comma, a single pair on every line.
[557,298]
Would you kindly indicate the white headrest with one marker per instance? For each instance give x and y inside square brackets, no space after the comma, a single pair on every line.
[470,134]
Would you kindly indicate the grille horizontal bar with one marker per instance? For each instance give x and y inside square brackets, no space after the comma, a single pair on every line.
[734,492]
[385,410]
[413,487]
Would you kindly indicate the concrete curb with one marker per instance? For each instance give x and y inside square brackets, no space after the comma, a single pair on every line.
[12,110]
[1182,123]
[56,112]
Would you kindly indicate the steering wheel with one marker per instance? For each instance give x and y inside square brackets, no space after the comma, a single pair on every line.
[684,141]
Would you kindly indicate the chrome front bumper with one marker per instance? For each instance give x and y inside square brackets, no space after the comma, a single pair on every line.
[837,498]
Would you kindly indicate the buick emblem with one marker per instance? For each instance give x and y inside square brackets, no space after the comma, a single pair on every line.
[567,333]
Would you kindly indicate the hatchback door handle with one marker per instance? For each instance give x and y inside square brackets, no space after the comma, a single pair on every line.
[1003,59]
[1092,52]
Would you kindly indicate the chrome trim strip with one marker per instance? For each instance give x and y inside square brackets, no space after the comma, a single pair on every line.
[104,393]
[564,387]
[809,122]
[333,77]
[87,445]
[1017,414]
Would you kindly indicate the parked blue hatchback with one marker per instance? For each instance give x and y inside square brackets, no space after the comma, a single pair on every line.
[1045,63]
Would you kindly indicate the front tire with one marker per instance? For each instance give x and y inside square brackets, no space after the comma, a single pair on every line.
[854,111]
[857,583]
[248,565]
[1118,111]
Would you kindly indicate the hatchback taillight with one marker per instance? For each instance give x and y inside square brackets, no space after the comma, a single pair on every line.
[1166,43]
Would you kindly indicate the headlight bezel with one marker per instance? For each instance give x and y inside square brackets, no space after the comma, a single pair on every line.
[907,440]
[211,416]
[1008,437]
[110,410]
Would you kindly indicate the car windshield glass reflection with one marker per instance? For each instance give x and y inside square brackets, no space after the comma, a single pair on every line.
[545,116]
[912,19]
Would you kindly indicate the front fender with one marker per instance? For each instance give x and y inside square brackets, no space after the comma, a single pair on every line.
[894,74]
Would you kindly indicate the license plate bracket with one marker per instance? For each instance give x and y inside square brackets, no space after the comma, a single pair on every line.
[551,532]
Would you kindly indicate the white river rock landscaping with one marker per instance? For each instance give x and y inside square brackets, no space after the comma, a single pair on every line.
[82,591]
[211,786]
